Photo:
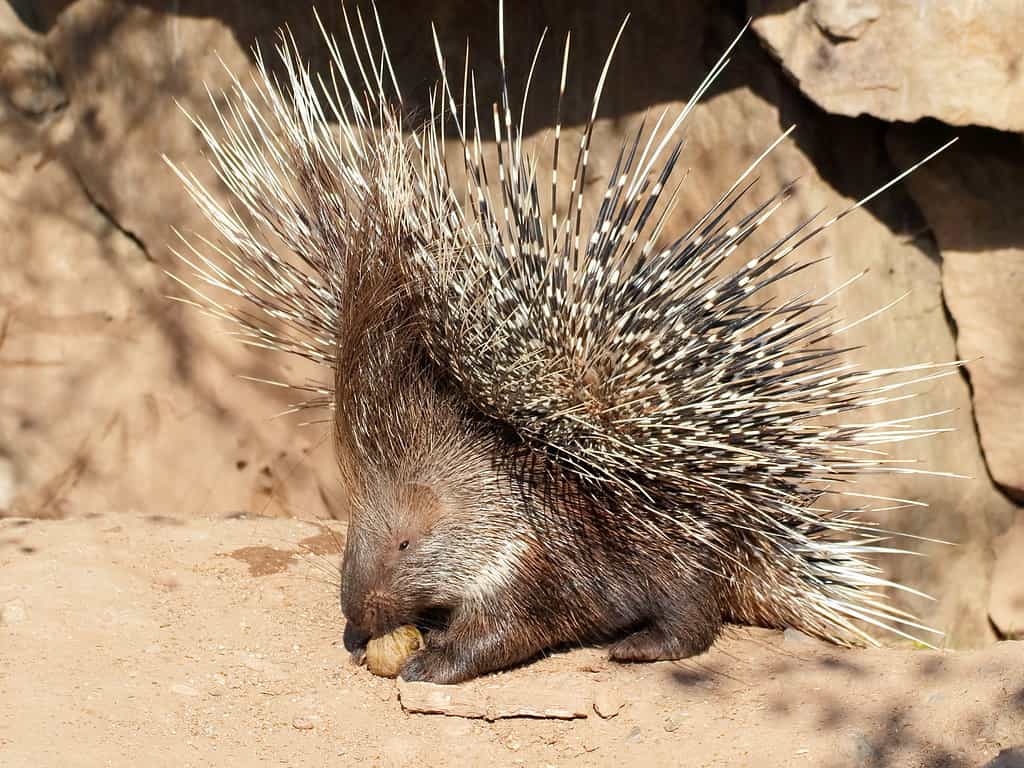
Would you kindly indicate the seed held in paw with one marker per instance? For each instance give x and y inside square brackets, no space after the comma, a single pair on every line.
[385,655]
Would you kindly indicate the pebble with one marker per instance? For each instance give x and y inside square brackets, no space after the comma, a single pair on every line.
[302,724]
[184,690]
[671,726]
[12,612]
[269,671]
[6,482]
[608,702]
[795,638]
[864,752]
[167,579]
[634,735]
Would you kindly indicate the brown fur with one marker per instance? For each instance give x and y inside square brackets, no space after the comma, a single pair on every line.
[481,539]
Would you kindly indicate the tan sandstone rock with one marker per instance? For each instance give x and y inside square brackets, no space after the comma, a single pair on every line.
[1006,606]
[899,60]
[973,198]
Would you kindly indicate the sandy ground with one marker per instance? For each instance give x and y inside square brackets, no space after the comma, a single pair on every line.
[157,642]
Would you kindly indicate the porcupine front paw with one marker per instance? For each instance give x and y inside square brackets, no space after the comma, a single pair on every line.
[469,648]
[434,665]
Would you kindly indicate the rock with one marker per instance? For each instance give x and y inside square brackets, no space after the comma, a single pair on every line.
[608,702]
[972,196]
[182,689]
[957,62]
[28,79]
[794,638]
[1006,603]
[844,19]
[635,735]
[428,698]
[12,612]
[83,273]
[30,91]
[6,483]
[863,751]
[511,698]
[302,724]
[168,580]
[268,670]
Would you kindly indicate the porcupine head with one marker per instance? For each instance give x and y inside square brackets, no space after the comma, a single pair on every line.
[548,437]
[435,535]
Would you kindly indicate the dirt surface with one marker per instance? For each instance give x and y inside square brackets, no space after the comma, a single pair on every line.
[157,642]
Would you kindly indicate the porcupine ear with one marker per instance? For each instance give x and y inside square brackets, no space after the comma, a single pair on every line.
[649,372]
[306,247]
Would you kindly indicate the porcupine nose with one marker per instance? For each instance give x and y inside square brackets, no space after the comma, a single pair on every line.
[354,638]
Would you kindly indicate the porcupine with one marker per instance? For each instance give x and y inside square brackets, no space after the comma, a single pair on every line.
[547,438]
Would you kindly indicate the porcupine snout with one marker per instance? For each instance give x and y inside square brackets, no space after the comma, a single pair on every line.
[372,616]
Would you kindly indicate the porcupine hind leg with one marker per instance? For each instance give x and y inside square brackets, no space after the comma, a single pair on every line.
[473,645]
[683,625]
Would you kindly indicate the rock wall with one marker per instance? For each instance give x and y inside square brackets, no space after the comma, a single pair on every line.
[114,398]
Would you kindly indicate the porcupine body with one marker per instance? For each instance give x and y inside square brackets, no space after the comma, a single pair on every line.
[549,436]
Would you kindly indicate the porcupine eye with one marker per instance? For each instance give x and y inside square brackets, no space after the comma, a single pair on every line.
[404,545]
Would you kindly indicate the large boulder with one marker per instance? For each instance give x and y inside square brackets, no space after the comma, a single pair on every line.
[901,60]
[973,199]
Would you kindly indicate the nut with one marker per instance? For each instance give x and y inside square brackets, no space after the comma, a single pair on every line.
[385,655]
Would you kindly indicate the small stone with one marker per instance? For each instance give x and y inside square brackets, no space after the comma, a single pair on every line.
[634,735]
[864,752]
[795,638]
[6,482]
[184,690]
[608,702]
[167,579]
[253,662]
[302,724]
[12,612]
[273,673]
[671,726]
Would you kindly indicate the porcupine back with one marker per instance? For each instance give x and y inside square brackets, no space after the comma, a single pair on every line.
[623,357]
